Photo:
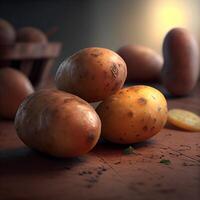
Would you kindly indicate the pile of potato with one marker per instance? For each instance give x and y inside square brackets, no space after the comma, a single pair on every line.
[62,123]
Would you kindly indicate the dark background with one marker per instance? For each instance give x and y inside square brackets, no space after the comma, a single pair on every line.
[104,23]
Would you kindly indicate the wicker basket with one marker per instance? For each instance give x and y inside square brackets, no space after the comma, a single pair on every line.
[33,59]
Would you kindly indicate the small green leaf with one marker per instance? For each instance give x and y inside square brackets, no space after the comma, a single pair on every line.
[165,162]
[129,150]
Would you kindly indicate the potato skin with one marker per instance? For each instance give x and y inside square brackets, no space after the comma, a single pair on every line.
[133,114]
[92,74]
[143,63]
[14,88]
[31,34]
[7,33]
[181,62]
[57,123]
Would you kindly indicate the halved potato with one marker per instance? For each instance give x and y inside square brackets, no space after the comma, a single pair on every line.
[184,119]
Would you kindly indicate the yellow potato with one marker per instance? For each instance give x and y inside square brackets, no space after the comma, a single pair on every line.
[92,74]
[57,123]
[133,114]
[184,119]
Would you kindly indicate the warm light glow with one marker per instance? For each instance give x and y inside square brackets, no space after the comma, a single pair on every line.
[169,16]
[165,15]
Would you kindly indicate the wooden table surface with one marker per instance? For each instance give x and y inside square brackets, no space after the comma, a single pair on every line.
[106,173]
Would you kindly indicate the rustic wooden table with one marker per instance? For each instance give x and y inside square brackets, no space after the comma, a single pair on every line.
[106,173]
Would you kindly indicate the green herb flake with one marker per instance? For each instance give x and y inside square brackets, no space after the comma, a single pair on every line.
[129,150]
[165,162]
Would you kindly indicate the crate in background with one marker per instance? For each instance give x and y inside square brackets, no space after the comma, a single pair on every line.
[35,60]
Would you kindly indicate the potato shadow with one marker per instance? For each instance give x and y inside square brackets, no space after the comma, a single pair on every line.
[24,161]
[174,128]
[105,147]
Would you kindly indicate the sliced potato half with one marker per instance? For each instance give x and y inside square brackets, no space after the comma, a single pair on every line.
[184,119]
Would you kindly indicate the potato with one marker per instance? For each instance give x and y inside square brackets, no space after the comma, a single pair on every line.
[31,34]
[14,87]
[7,38]
[92,74]
[133,114]
[7,33]
[143,63]
[181,62]
[184,119]
[57,123]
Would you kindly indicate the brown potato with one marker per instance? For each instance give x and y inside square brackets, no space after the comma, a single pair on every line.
[57,123]
[31,34]
[181,62]
[133,114]
[143,63]
[14,87]
[7,33]
[92,74]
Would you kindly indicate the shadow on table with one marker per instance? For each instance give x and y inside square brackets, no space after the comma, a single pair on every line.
[23,160]
[107,148]
[174,128]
